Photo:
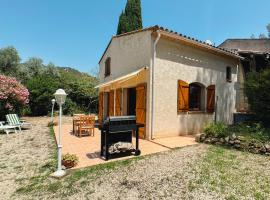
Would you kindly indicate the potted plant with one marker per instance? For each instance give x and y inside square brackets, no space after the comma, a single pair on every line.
[70,160]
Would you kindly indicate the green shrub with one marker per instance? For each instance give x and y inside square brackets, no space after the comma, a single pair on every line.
[257,89]
[217,129]
[250,131]
[71,107]
[41,90]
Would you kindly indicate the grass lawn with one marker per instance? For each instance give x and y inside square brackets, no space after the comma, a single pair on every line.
[231,174]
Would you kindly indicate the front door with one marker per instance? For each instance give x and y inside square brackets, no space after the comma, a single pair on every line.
[141,108]
[131,110]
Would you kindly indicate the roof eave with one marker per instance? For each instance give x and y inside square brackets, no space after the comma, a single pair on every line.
[172,34]
[197,43]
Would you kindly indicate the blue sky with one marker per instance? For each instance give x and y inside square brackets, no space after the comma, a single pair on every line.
[75,33]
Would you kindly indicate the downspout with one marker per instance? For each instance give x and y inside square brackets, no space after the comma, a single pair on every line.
[114,98]
[237,99]
[152,82]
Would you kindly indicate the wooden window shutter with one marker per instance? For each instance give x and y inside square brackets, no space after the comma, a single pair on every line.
[100,107]
[183,96]
[141,108]
[211,98]
[111,103]
[118,102]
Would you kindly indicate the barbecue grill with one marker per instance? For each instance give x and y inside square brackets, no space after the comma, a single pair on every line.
[116,131]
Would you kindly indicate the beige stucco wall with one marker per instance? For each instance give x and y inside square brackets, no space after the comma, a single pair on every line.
[177,61]
[128,54]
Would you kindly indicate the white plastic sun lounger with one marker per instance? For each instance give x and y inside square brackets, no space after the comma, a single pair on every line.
[7,128]
[13,120]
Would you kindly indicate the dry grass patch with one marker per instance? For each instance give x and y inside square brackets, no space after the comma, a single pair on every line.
[231,174]
[23,155]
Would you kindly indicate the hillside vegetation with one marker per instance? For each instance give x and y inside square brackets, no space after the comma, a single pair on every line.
[43,80]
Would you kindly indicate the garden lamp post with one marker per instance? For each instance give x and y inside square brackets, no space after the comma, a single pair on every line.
[60,97]
[53,102]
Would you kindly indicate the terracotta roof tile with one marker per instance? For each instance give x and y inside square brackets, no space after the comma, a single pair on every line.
[156,27]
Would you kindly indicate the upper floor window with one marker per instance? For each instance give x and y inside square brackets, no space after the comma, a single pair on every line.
[108,67]
[229,74]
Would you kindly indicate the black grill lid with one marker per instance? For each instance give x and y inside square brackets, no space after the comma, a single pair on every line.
[121,118]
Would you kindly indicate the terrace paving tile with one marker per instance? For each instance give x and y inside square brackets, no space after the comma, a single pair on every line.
[87,148]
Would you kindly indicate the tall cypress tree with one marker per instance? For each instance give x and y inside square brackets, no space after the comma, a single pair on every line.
[123,24]
[137,15]
[131,19]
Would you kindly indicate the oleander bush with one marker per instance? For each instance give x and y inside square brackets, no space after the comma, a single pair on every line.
[13,96]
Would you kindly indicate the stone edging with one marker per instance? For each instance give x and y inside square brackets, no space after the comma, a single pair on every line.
[237,142]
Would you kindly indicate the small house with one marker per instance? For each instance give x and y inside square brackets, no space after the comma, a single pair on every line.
[172,83]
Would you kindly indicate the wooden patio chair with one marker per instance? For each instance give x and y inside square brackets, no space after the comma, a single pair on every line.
[76,119]
[86,125]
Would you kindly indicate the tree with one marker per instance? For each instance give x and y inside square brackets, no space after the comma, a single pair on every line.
[268,29]
[42,81]
[257,88]
[131,18]
[13,96]
[9,60]
[51,70]
[34,66]
[80,88]
[41,88]
[123,24]
[262,36]
[134,14]
[252,36]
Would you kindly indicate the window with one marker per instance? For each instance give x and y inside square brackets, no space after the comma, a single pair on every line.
[195,97]
[195,93]
[108,67]
[229,74]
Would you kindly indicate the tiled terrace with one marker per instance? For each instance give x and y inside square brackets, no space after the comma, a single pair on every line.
[88,148]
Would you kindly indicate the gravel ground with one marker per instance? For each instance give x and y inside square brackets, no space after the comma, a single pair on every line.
[162,176]
[194,172]
[23,154]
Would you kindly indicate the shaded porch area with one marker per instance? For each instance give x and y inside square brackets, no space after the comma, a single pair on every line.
[88,148]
